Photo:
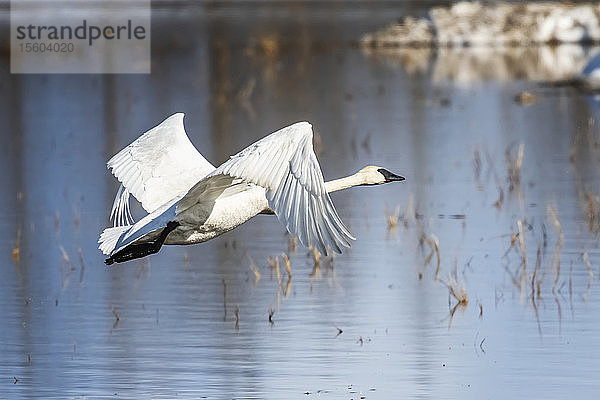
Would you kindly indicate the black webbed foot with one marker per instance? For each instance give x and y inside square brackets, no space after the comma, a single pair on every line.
[133,251]
[140,250]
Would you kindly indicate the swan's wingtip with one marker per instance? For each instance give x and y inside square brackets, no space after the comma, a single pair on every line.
[178,116]
[109,238]
[304,125]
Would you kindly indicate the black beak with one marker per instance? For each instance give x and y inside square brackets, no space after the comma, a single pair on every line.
[389,176]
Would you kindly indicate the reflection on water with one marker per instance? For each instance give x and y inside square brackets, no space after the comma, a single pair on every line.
[453,288]
[472,65]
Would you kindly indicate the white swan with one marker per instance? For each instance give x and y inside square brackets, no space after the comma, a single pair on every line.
[190,201]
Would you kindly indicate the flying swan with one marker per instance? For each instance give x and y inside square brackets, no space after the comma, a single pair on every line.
[190,201]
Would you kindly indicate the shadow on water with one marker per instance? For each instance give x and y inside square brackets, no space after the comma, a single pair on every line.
[480,279]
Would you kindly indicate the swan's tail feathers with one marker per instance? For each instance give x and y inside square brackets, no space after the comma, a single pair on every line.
[120,213]
[109,238]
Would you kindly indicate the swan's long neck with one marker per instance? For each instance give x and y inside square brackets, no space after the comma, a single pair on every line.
[344,183]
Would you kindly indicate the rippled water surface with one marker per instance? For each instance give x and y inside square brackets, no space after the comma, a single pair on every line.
[500,209]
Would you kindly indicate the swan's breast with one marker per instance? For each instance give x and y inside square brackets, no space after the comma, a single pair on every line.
[199,224]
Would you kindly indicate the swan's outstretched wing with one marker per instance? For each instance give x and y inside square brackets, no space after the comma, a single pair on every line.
[156,167]
[285,164]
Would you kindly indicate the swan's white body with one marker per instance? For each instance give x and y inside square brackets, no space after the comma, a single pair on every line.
[278,174]
[221,219]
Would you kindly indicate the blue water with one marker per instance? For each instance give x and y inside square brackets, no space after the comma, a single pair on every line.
[165,326]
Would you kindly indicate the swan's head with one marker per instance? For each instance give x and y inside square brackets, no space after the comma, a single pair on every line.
[373,175]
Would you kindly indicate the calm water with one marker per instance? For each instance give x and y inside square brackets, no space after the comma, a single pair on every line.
[165,327]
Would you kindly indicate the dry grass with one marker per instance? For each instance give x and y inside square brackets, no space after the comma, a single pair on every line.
[588,264]
[477,165]
[559,243]
[526,98]
[292,243]
[513,241]
[287,265]
[274,266]
[457,291]
[82,270]
[592,208]
[534,278]
[16,252]
[500,200]
[269,45]
[392,219]
[434,244]
[513,166]
[255,270]
[288,269]
[117,318]
[316,255]
[436,248]
[277,271]
[522,244]
[237,317]
[523,259]
[66,268]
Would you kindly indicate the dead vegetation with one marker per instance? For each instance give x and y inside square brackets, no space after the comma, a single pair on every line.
[525,98]
[559,244]
[292,243]
[66,268]
[16,252]
[434,244]
[513,166]
[392,219]
[117,317]
[255,271]
[316,256]
[485,174]
[591,205]
[588,264]
[274,266]
[288,269]
[236,314]
[457,291]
